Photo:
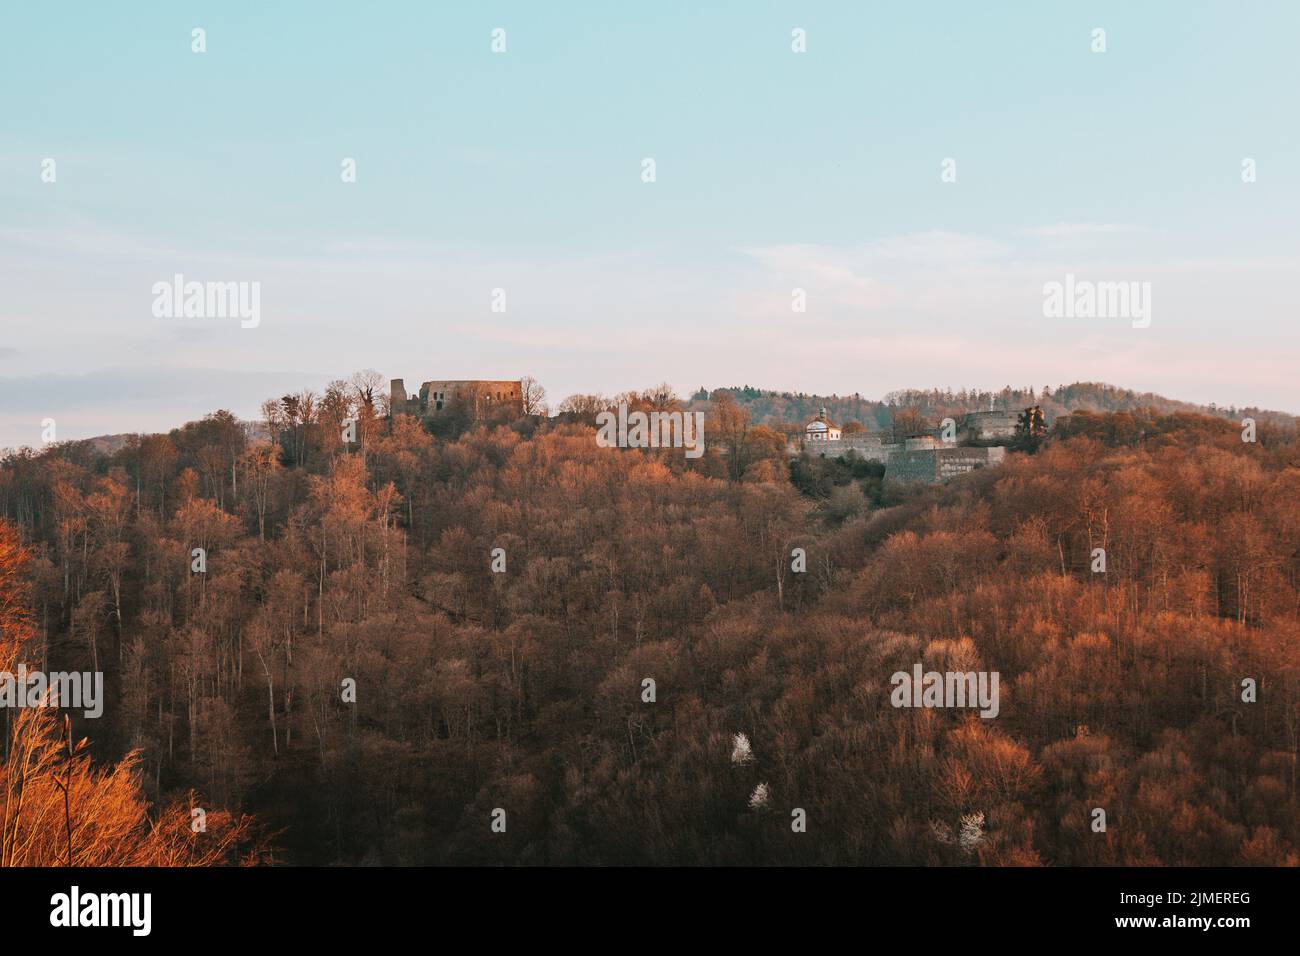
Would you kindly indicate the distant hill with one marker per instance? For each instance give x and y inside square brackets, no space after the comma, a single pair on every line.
[769,407]
[777,408]
[112,444]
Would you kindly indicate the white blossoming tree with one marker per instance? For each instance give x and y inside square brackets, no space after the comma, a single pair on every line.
[741,752]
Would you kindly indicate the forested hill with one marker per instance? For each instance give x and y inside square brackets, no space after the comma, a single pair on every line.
[391,639]
[788,411]
[773,407]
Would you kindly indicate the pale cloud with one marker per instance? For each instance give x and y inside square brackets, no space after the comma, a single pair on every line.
[919,309]
[949,309]
[856,264]
[1072,229]
[78,236]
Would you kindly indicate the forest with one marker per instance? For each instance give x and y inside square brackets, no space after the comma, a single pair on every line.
[788,410]
[388,646]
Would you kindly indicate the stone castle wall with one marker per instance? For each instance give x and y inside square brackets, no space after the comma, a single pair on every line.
[868,445]
[925,458]
[473,397]
[936,465]
[987,426]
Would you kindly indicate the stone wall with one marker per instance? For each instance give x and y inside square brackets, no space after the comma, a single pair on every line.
[987,426]
[925,458]
[868,445]
[475,398]
[937,465]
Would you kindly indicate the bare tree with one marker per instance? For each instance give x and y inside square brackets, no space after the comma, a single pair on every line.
[584,408]
[532,395]
[369,387]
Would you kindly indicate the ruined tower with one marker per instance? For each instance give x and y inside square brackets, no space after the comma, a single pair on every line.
[474,398]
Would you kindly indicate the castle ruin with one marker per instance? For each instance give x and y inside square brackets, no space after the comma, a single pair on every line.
[476,399]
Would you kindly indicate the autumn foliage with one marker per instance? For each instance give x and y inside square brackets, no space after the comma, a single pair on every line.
[371,561]
[60,809]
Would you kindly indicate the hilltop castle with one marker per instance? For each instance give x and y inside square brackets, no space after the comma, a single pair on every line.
[978,443]
[474,398]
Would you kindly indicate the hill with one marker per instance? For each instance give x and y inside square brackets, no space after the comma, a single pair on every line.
[389,639]
[775,407]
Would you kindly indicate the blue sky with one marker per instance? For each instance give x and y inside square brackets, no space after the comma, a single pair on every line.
[521,171]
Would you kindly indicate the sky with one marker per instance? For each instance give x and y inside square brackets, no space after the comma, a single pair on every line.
[920,172]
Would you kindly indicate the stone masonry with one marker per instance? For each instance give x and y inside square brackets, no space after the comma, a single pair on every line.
[980,437]
[476,398]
